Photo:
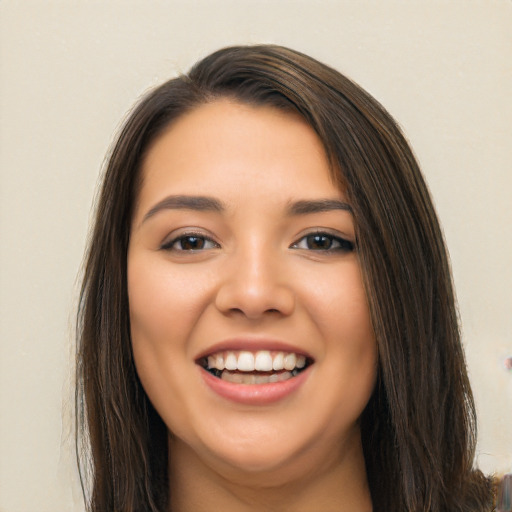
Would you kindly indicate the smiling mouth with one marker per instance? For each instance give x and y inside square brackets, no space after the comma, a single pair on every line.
[260,367]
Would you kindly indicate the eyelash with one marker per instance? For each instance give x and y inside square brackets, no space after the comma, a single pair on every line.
[341,244]
[170,246]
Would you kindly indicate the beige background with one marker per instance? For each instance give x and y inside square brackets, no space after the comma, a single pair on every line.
[69,72]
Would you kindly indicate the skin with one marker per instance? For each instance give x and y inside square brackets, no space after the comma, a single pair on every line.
[255,276]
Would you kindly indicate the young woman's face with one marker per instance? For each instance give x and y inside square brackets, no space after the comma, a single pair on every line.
[250,326]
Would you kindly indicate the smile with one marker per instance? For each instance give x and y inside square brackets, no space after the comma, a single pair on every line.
[259,367]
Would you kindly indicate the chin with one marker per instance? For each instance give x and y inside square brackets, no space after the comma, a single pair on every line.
[254,459]
[272,457]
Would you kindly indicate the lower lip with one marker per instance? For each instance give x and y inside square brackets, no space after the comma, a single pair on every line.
[255,394]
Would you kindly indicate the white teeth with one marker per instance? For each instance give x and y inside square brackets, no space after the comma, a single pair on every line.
[219,362]
[278,363]
[231,362]
[246,362]
[290,361]
[263,361]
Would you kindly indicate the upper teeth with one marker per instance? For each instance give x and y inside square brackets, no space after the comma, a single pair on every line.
[263,361]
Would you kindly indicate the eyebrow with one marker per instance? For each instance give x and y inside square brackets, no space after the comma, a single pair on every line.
[198,203]
[210,204]
[306,207]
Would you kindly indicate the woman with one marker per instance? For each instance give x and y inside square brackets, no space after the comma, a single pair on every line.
[267,318]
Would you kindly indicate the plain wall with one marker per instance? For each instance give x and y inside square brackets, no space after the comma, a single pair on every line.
[70,70]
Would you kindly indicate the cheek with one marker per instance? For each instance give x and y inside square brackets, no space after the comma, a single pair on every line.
[163,303]
[164,307]
[355,340]
[339,310]
[337,302]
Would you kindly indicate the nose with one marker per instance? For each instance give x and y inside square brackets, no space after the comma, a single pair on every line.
[255,284]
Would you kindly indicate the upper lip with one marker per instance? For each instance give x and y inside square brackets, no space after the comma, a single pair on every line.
[252,345]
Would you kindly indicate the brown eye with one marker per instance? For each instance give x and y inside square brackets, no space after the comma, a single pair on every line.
[319,242]
[190,242]
[323,242]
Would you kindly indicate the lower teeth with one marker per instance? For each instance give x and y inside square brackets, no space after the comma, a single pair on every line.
[255,378]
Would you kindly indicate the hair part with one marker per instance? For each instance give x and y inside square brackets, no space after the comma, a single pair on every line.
[419,428]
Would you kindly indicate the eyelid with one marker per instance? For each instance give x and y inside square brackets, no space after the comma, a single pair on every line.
[183,233]
[346,243]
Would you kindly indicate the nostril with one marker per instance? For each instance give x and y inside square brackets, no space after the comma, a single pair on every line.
[254,297]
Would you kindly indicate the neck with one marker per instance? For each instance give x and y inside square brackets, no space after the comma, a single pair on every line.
[337,484]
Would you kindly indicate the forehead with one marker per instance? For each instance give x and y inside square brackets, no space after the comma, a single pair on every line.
[239,152]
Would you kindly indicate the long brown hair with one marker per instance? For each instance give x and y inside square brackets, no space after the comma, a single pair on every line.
[419,428]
